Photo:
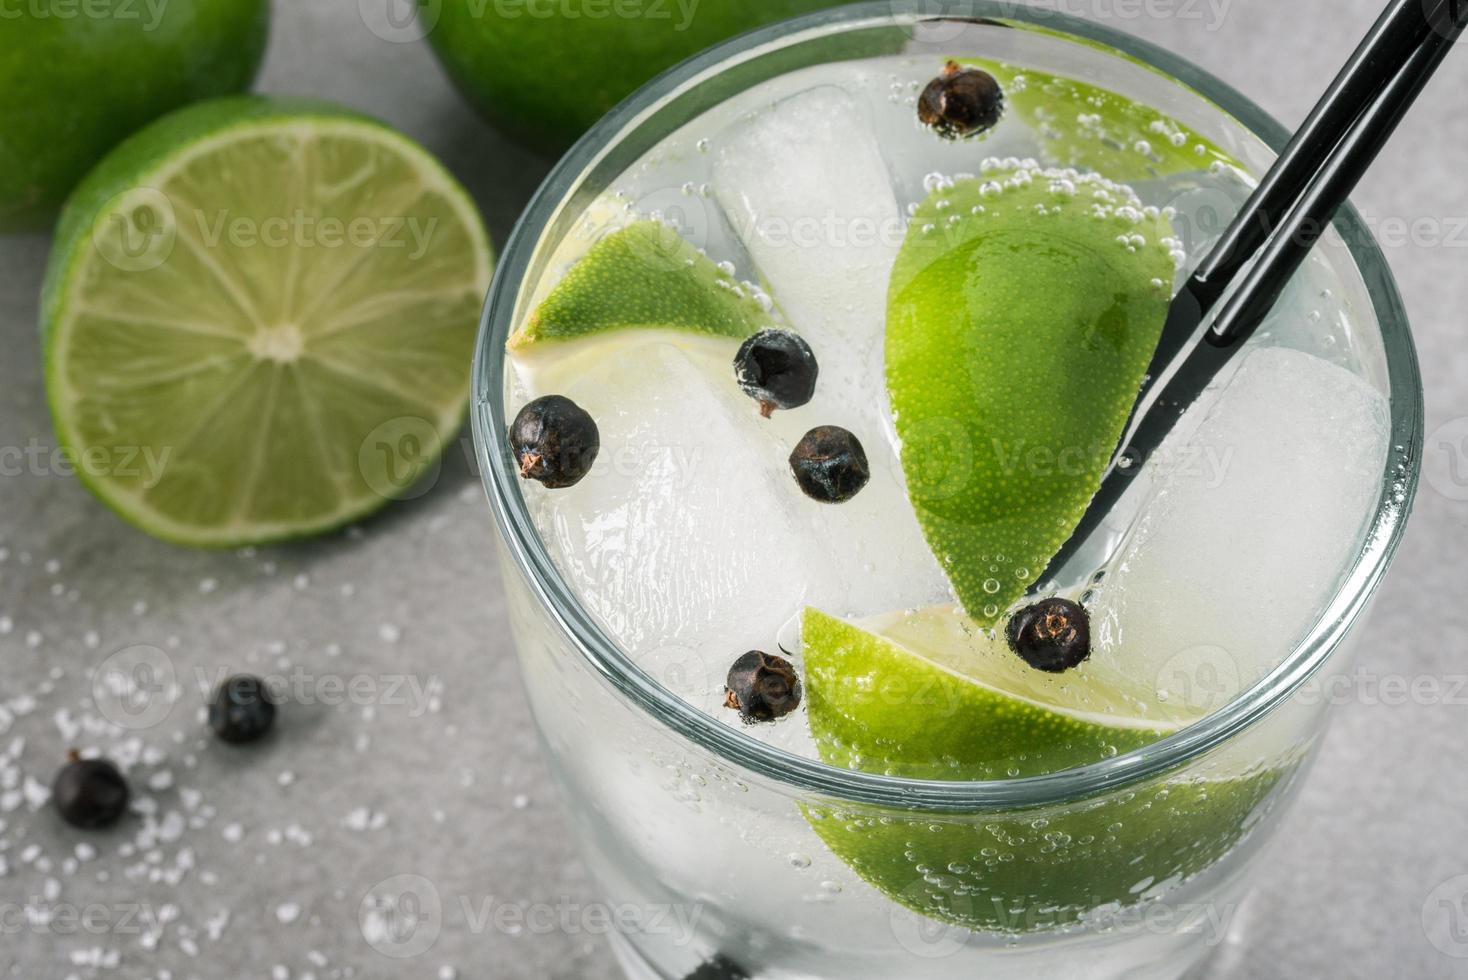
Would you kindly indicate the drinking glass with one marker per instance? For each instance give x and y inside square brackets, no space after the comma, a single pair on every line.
[715,851]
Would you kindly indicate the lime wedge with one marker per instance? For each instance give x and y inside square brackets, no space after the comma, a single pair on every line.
[1023,310]
[258,317]
[1015,872]
[929,695]
[1092,128]
[643,276]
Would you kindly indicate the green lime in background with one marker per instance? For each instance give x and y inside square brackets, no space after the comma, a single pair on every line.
[76,79]
[547,71]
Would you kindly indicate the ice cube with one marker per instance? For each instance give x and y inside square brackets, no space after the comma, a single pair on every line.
[916,155]
[805,186]
[690,539]
[1254,519]
[876,557]
[806,189]
[683,539]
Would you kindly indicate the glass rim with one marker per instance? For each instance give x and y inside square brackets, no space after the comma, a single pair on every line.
[811,776]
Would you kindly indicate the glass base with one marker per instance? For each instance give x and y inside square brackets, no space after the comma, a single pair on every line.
[1225,959]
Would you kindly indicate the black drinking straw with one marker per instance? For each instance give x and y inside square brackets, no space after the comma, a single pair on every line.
[1242,277]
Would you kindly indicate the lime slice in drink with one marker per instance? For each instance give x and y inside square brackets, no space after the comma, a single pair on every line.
[1091,128]
[643,276]
[932,695]
[259,316]
[655,538]
[639,288]
[929,695]
[1023,309]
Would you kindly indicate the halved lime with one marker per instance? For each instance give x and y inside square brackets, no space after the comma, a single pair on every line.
[930,695]
[259,316]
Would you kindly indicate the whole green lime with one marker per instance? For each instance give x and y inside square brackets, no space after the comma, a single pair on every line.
[547,69]
[77,76]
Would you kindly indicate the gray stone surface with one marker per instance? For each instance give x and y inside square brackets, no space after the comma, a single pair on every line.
[445,781]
